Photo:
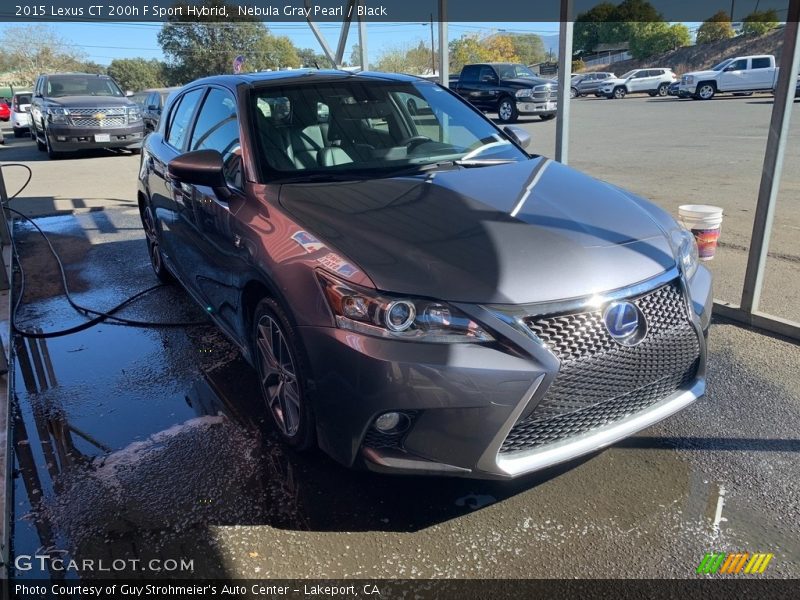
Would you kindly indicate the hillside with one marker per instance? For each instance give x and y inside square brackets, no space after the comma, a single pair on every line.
[702,56]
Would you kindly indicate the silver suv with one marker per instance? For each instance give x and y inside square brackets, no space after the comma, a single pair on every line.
[639,81]
[588,83]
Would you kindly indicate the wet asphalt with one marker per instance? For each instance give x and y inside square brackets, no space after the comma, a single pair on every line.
[139,443]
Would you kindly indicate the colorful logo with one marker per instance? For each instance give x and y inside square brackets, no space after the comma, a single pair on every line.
[734,563]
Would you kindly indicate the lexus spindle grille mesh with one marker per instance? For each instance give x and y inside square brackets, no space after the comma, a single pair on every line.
[601,381]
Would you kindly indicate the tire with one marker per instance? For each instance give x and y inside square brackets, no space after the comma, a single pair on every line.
[507,110]
[282,373]
[18,133]
[663,90]
[51,154]
[41,146]
[135,151]
[619,93]
[652,94]
[549,117]
[705,91]
[573,93]
[153,246]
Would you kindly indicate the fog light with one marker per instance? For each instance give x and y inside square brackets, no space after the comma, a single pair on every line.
[388,422]
[61,138]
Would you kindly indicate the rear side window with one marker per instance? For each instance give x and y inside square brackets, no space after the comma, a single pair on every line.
[180,118]
[470,73]
[761,63]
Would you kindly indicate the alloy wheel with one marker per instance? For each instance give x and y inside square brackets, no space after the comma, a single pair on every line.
[505,110]
[706,92]
[278,375]
[152,241]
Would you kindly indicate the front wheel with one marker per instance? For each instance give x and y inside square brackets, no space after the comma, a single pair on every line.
[282,374]
[573,93]
[41,146]
[51,153]
[18,133]
[663,90]
[619,93]
[507,111]
[706,91]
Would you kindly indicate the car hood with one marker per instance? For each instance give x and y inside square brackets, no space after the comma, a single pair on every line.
[526,82]
[702,74]
[90,101]
[527,232]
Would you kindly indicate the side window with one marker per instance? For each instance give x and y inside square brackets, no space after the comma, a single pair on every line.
[761,63]
[470,73]
[217,128]
[487,74]
[739,65]
[180,118]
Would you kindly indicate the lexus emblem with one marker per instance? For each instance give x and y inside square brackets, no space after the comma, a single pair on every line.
[625,323]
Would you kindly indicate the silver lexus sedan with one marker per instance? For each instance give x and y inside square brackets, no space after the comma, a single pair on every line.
[416,292]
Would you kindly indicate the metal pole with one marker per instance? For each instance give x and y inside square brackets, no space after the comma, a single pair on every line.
[444,49]
[773,161]
[564,76]
[343,33]
[433,49]
[362,43]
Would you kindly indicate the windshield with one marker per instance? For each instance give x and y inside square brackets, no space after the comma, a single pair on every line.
[354,126]
[628,74]
[721,65]
[81,85]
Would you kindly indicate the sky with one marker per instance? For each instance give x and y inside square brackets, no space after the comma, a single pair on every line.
[103,42]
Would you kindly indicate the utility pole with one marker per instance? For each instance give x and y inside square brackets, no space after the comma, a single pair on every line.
[733,4]
[433,49]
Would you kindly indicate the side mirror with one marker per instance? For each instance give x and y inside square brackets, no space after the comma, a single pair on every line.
[730,68]
[522,137]
[201,167]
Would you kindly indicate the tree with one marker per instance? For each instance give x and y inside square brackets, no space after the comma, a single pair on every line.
[715,28]
[500,48]
[309,58]
[274,52]
[760,22]
[465,50]
[529,48]
[30,50]
[609,24]
[649,39]
[590,27]
[207,45]
[136,74]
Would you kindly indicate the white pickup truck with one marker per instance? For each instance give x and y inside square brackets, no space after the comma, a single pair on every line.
[742,74]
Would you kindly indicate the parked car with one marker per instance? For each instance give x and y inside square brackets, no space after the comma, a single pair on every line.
[588,83]
[639,81]
[5,110]
[77,111]
[509,89]
[740,75]
[416,292]
[21,113]
[153,105]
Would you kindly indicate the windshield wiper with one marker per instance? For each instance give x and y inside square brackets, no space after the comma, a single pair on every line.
[482,162]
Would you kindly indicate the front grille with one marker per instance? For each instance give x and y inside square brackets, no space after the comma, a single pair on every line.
[544,92]
[685,79]
[91,117]
[601,381]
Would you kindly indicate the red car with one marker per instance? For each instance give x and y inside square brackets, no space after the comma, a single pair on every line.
[5,111]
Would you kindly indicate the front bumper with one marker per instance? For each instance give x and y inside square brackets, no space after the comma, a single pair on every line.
[464,400]
[687,89]
[68,138]
[527,106]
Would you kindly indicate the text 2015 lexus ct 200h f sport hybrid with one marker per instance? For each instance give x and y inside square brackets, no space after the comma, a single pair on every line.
[417,293]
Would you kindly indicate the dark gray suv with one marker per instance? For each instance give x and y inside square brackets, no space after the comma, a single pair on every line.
[79,111]
[588,83]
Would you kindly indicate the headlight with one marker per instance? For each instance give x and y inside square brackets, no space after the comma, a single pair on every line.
[134,114]
[373,313]
[685,247]
[57,114]
[524,93]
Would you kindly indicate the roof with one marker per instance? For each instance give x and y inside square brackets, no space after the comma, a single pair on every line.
[306,74]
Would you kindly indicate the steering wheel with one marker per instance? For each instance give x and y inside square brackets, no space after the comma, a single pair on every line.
[415,140]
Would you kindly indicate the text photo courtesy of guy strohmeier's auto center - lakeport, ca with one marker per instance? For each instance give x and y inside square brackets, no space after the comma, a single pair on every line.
[430,299]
